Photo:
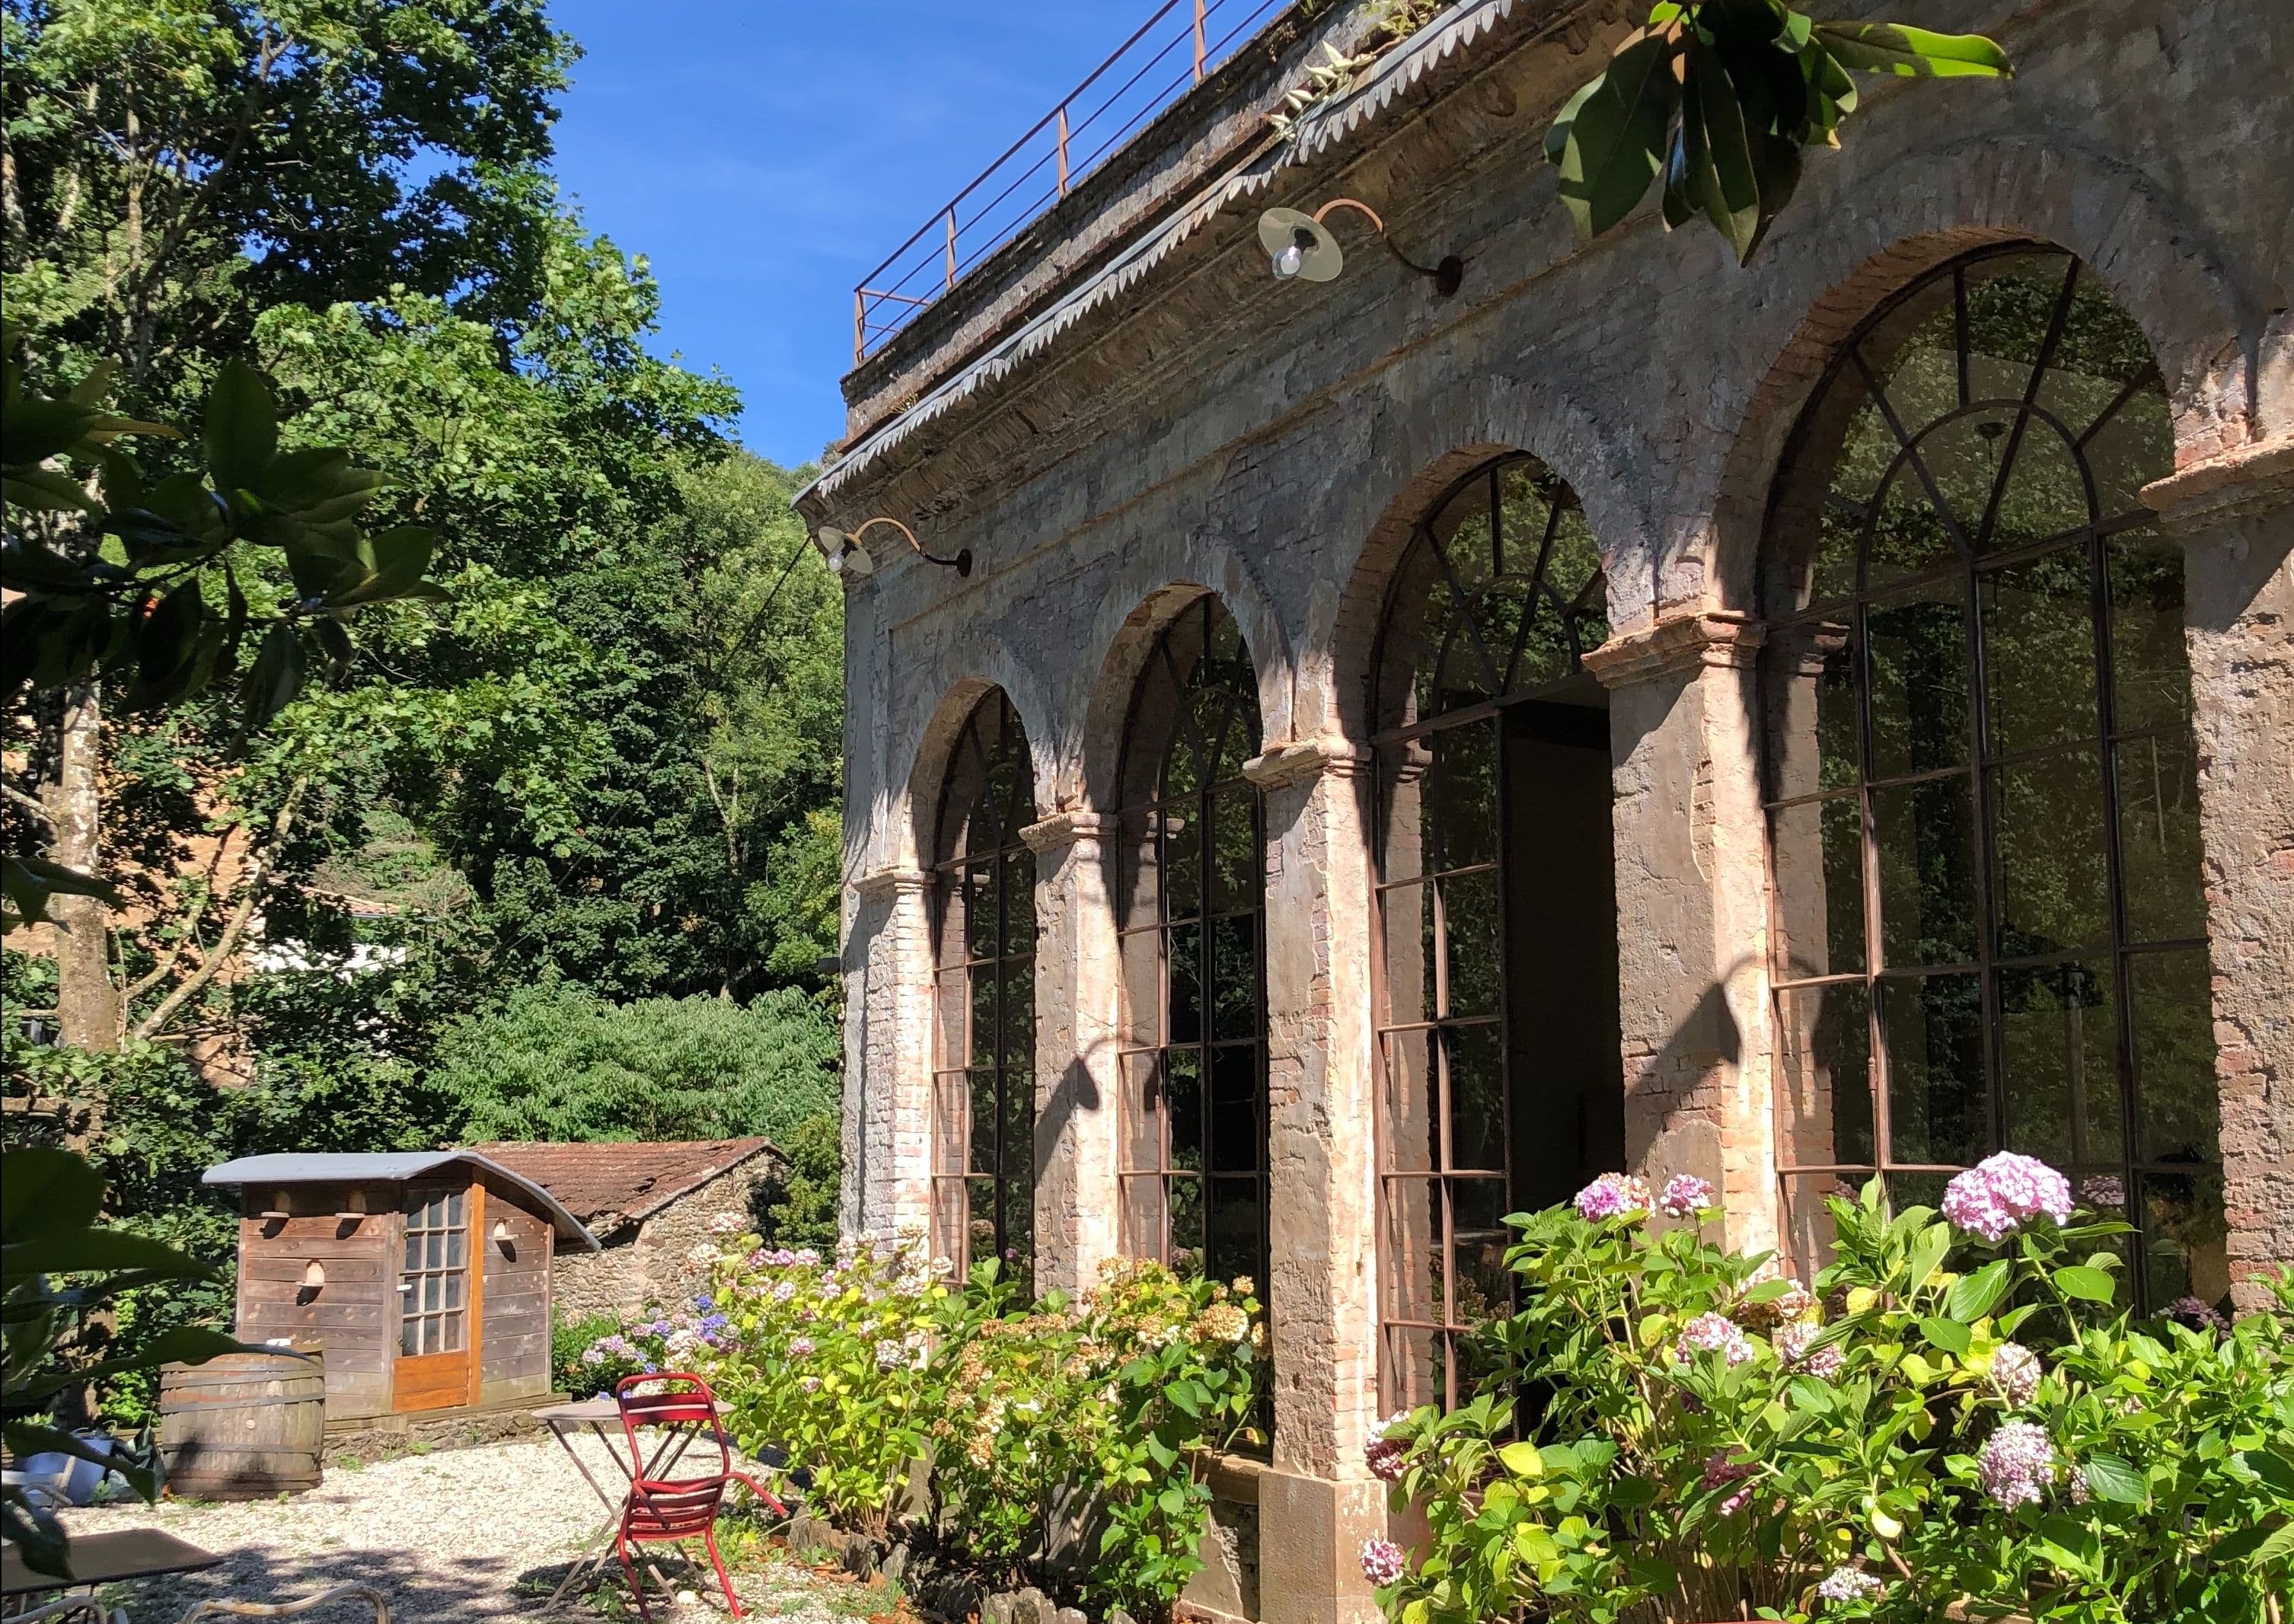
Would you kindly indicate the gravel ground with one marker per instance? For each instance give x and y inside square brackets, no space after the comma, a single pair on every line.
[481,1534]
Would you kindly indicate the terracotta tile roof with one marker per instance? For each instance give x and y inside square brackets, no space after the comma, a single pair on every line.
[623,1183]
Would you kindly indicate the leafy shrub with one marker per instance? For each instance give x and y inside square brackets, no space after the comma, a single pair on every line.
[569,1340]
[1697,1438]
[557,1062]
[797,1208]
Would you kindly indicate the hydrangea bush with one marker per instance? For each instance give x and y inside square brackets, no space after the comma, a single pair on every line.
[1954,1416]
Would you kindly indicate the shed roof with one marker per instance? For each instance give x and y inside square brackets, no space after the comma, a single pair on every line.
[391,1167]
[625,1182]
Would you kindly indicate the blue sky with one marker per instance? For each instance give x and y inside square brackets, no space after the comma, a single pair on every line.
[765,155]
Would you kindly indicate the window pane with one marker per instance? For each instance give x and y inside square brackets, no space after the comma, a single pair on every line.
[2059,1037]
[1826,1101]
[1183,862]
[453,1298]
[1186,1197]
[2039,652]
[1477,1098]
[2161,855]
[1924,833]
[1407,916]
[1234,843]
[1809,1233]
[1182,1096]
[2178,1102]
[1409,1111]
[985,1016]
[1017,990]
[1185,949]
[410,1337]
[1232,1235]
[1476,975]
[1018,1127]
[2054,874]
[1234,977]
[1938,1108]
[1410,1246]
[1235,1110]
[1462,790]
[1919,657]
[980,1226]
[983,929]
[1909,535]
[454,1250]
[1402,836]
[1019,902]
[1811,699]
[1143,1109]
[2187,1251]
[2150,667]
[2044,495]
[985,1112]
[2136,446]
[1413,1374]
[1145,1213]
[1817,850]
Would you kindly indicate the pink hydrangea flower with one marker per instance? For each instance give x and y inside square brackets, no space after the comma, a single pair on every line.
[2000,1194]
[1720,1470]
[1846,1584]
[2017,1465]
[1613,1194]
[1712,1333]
[1381,1561]
[1684,1196]
[2015,1372]
[1791,1345]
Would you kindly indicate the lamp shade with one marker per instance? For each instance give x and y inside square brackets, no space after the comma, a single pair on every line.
[1299,245]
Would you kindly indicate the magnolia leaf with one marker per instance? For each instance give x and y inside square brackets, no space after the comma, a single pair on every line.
[47,490]
[1727,187]
[241,428]
[1616,137]
[1890,47]
[1557,138]
[274,677]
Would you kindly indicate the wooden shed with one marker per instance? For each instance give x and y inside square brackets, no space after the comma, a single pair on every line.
[425,1276]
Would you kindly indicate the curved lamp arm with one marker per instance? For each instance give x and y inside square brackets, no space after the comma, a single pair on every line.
[1445,275]
[961,563]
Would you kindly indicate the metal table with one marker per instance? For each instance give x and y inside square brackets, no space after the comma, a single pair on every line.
[563,1421]
[103,1559]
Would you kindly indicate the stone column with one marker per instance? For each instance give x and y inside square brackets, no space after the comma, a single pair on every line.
[2234,515]
[888,1145]
[1079,1104]
[1693,909]
[1318,1503]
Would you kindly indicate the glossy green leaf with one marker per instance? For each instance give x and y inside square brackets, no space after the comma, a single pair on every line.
[1890,47]
[2110,1478]
[1728,189]
[1950,1334]
[1616,137]
[2089,1285]
[1974,1296]
[274,677]
[241,430]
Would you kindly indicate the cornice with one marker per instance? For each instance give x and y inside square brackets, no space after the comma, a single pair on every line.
[1709,636]
[1062,830]
[1302,759]
[2250,482]
[889,882]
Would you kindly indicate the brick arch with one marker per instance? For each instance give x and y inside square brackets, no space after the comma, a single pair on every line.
[1436,441]
[1088,777]
[1928,207]
[936,745]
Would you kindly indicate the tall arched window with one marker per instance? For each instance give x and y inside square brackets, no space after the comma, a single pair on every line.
[1192,886]
[1498,1029]
[1980,769]
[984,944]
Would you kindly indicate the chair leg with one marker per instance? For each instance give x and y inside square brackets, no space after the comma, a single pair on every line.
[731,1600]
[637,1585]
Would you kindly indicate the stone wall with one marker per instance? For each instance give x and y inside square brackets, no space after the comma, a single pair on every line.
[1202,427]
[654,1263]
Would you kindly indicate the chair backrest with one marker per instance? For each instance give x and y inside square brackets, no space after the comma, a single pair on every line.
[677,1398]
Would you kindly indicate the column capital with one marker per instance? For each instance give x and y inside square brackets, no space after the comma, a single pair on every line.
[1704,636]
[889,882]
[1301,760]
[1062,830]
[2246,483]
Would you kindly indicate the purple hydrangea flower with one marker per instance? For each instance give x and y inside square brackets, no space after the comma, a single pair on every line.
[1792,1341]
[1384,1457]
[2198,1315]
[800,1347]
[1613,1194]
[1712,1333]
[2017,1465]
[2015,1372]
[1382,1560]
[2000,1194]
[1720,1470]
[1684,1196]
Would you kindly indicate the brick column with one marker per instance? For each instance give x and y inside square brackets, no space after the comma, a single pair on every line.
[887,1053]
[1079,1103]
[1318,1503]
[1693,909]
[2234,515]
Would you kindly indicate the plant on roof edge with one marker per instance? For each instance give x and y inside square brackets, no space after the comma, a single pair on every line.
[1719,97]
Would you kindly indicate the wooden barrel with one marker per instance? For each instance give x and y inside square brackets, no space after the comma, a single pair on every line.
[243,1427]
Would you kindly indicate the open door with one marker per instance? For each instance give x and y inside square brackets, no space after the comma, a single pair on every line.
[437,1307]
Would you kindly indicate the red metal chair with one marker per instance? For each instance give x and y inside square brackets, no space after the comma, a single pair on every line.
[671,1510]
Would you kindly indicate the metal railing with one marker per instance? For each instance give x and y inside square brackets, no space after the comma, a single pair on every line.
[1171,52]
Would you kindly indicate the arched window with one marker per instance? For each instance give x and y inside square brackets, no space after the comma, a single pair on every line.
[984,944]
[1191,888]
[1497,1015]
[1980,769]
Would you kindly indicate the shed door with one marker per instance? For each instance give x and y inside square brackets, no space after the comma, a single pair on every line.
[437,1323]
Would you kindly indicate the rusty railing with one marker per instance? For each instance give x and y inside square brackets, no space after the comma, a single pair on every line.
[1171,52]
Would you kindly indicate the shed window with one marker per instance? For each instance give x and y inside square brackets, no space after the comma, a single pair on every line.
[1191,887]
[984,944]
[1497,1006]
[1980,779]
[433,1314]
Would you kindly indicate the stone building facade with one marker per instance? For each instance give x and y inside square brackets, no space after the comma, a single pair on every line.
[651,1206]
[1395,753]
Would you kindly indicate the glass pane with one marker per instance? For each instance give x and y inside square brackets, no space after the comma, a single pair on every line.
[1232,1228]
[1477,1098]
[1809,1233]
[1234,977]
[1019,902]
[1937,1107]
[1407,917]
[2044,495]
[1410,1246]
[1017,982]
[1187,1023]
[454,1250]
[1476,964]
[1825,1103]
[1019,1231]
[453,1297]
[1925,848]
[1019,1128]
[2150,667]
[1186,1245]
[985,1019]
[1462,793]
[2186,1240]
[1236,1108]
[1145,1216]
[985,1109]
[2178,1101]
[410,1337]
[413,1251]
[1485,1284]
[2059,1037]
[1183,861]
[2054,879]
[1413,1373]
[433,1250]
[2161,855]
[1909,535]
[1919,680]
[980,1227]
[2039,652]
[981,926]
[1234,845]
[1811,691]
[1818,852]
[454,1210]
[1142,953]
[1407,1115]
[1182,1096]
[2135,446]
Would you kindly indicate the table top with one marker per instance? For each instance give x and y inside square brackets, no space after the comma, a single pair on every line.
[127,1553]
[598,1412]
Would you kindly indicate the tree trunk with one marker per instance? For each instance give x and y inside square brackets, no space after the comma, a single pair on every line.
[88,1001]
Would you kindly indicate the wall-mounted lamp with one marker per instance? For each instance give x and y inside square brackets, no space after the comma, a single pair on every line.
[1302,246]
[846,555]
[315,1275]
[501,1232]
